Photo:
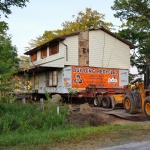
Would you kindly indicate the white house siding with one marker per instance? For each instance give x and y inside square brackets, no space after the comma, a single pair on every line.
[64,79]
[42,85]
[106,51]
[60,81]
[72,44]
[62,86]
[56,60]
[59,63]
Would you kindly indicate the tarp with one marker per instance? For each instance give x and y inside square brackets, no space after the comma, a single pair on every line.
[84,76]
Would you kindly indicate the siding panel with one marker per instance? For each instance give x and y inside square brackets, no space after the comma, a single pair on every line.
[56,60]
[72,43]
[107,51]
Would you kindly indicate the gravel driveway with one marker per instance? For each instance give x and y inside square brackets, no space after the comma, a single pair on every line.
[145,145]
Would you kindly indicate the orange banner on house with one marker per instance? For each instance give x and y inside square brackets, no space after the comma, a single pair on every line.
[84,76]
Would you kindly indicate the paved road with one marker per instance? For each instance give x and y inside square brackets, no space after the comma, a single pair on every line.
[145,145]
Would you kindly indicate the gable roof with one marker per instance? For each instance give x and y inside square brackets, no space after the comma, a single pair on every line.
[61,38]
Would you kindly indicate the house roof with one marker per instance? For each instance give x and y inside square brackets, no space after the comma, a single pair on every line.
[56,40]
[61,38]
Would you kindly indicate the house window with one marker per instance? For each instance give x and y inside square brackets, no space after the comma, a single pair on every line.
[52,78]
[33,57]
[53,49]
[44,53]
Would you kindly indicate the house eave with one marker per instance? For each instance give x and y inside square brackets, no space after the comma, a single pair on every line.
[62,38]
[37,69]
[54,41]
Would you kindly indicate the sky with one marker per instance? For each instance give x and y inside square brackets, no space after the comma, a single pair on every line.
[41,15]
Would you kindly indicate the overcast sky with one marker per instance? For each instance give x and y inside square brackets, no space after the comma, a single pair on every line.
[41,15]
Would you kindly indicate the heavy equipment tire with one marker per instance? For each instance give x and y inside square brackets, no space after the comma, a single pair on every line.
[147,107]
[106,102]
[129,104]
[97,101]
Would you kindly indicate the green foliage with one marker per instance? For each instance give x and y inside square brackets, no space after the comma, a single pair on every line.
[8,56]
[47,95]
[5,9]
[47,36]
[135,16]
[26,83]
[8,65]
[8,53]
[68,134]
[83,21]
[25,118]
[72,92]
[89,19]
[8,98]
[23,62]
[3,27]
[6,4]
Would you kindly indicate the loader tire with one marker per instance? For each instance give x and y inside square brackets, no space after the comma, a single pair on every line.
[147,107]
[106,102]
[129,104]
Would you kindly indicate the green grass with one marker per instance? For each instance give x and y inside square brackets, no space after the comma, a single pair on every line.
[25,118]
[38,137]
[28,126]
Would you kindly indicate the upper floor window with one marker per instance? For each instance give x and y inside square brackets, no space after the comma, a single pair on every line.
[53,49]
[44,53]
[33,57]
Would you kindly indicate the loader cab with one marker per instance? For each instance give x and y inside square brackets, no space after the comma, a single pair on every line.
[147,76]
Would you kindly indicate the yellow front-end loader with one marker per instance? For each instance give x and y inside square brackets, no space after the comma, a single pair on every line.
[138,96]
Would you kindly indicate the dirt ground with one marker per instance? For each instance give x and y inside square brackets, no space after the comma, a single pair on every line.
[94,116]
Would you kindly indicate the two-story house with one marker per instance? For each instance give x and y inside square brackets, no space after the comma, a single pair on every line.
[94,56]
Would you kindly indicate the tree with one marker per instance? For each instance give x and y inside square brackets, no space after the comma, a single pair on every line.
[135,16]
[83,21]
[89,19]
[24,62]
[8,64]
[5,10]
[3,27]
[6,4]
[8,53]
[47,36]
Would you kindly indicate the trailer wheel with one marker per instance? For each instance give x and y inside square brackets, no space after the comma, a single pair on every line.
[129,105]
[36,97]
[97,101]
[106,102]
[147,107]
[113,103]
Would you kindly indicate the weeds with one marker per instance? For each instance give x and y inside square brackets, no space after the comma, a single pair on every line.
[23,118]
[27,126]
[65,134]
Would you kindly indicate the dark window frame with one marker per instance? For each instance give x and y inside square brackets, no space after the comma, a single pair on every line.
[43,53]
[52,79]
[33,57]
[54,49]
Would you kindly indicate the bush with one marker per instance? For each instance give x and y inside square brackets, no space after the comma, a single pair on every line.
[24,118]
